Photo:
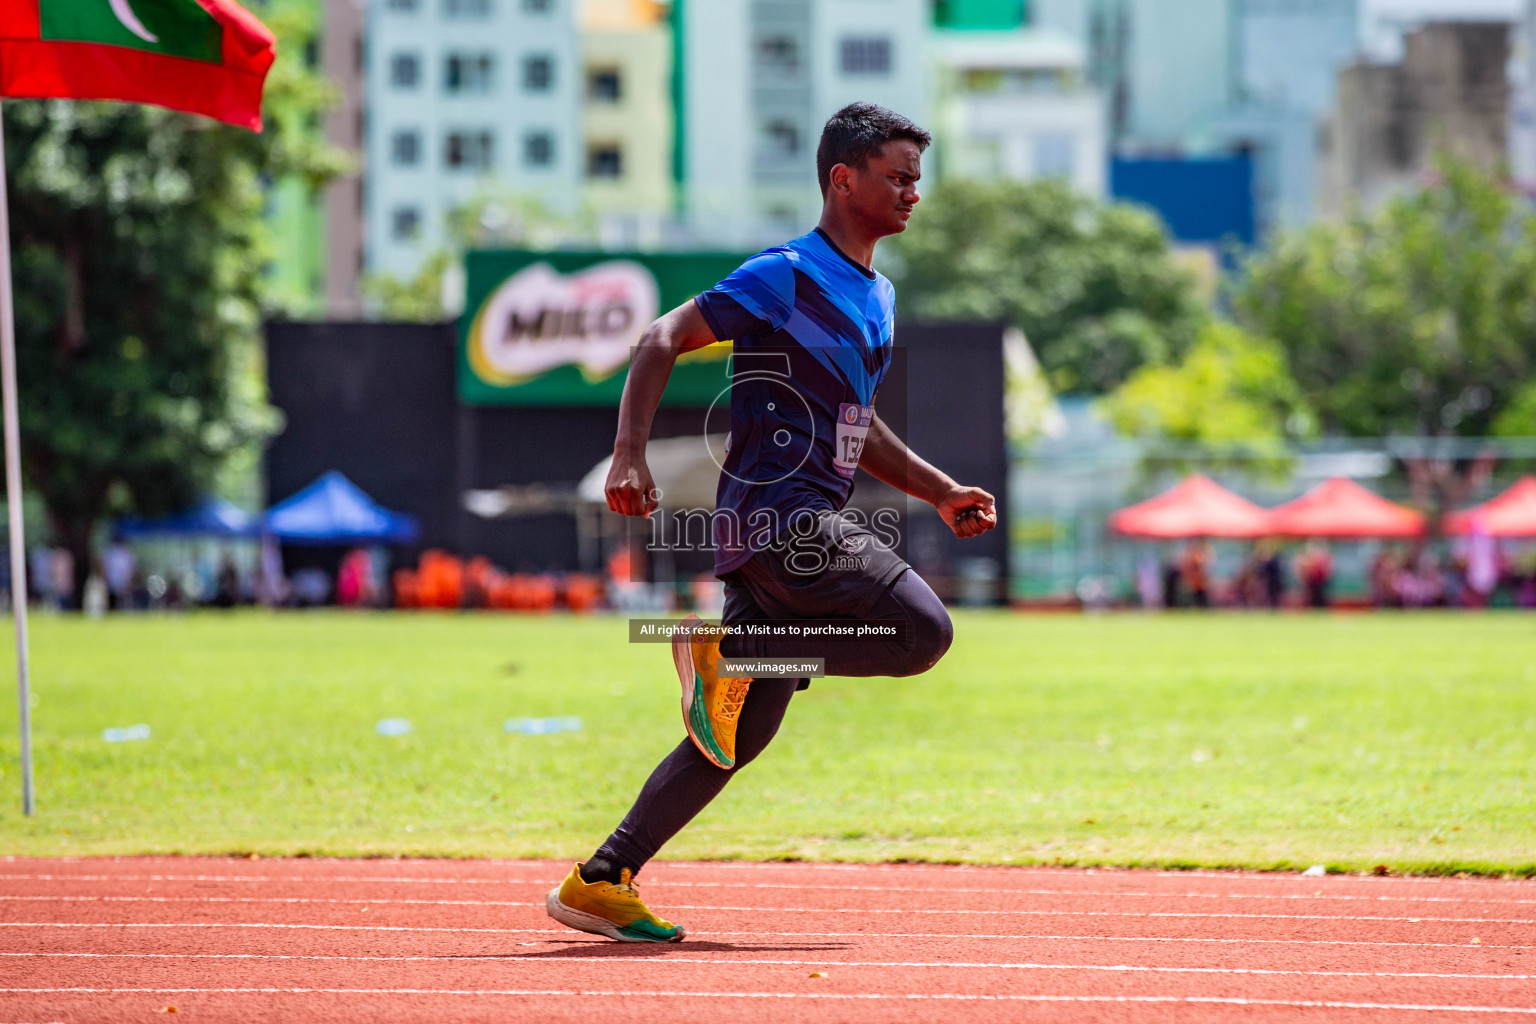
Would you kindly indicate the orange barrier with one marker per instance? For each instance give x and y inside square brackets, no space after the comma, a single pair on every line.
[479,577]
[583,593]
[443,581]
[407,586]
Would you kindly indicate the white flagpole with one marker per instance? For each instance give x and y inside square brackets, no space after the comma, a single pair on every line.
[13,483]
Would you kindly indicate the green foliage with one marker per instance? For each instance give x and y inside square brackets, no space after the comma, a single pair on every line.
[493,217]
[1417,319]
[1230,388]
[293,102]
[418,299]
[1183,740]
[1518,417]
[139,250]
[295,218]
[1094,287]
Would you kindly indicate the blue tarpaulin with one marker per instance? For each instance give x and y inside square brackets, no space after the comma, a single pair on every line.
[211,517]
[334,510]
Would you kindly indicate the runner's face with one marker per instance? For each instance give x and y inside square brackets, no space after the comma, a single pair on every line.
[883,193]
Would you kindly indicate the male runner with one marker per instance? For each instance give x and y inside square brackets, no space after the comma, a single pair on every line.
[819,319]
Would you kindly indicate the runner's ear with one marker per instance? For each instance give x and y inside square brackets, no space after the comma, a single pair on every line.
[838,179]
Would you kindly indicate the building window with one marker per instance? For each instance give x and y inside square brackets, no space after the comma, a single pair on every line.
[404,5]
[866,55]
[405,223]
[1054,155]
[604,85]
[405,147]
[538,6]
[538,73]
[781,140]
[980,156]
[404,70]
[538,149]
[469,150]
[605,161]
[467,8]
[468,72]
[778,53]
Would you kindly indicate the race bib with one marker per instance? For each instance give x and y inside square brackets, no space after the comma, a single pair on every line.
[852,427]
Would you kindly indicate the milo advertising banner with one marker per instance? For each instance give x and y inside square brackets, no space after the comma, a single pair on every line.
[556,328]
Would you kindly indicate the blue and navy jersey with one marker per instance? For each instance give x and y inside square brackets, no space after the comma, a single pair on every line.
[812,332]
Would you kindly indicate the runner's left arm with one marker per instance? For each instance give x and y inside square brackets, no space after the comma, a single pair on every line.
[969,511]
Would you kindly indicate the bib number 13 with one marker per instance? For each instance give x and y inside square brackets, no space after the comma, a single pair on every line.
[852,428]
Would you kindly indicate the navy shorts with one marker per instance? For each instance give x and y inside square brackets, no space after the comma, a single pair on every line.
[837,570]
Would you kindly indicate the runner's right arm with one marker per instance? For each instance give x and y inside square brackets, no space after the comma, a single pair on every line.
[968,511]
[629,488]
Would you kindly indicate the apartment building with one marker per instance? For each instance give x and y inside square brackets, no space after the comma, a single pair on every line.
[758,79]
[626,120]
[465,95]
[1212,78]
[1449,94]
[317,258]
[1014,104]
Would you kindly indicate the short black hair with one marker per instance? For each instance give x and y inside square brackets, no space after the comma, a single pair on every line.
[858,132]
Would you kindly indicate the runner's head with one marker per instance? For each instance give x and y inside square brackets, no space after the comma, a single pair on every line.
[868,161]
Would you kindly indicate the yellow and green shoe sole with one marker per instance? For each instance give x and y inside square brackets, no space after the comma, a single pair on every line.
[637,931]
[695,714]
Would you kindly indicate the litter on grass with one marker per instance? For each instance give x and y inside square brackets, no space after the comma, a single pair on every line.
[126,734]
[393,727]
[542,726]
[1316,869]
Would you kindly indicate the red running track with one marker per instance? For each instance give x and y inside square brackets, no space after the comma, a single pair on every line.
[113,940]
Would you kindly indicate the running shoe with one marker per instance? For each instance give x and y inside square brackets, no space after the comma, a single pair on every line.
[603,908]
[711,702]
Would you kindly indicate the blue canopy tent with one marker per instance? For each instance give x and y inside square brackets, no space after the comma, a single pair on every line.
[211,517]
[335,511]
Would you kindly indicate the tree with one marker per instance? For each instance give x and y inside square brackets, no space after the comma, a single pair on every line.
[1231,386]
[1095,287]
[1419,319]
[1518,417]
[1232,395]
[419,299]
[493,217]
[138,257]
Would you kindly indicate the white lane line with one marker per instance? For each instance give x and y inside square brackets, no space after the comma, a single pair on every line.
[348,928]
[1000,870]
[663,869]
[768,910]
[717,961]
[1051,870]
[763,934]
[1328,1004]
[546,881]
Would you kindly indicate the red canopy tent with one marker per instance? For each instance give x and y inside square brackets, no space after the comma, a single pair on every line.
[1511,514]
[1197,506]
[1342,508]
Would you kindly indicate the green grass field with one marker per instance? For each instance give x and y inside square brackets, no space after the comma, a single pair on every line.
[1258,741]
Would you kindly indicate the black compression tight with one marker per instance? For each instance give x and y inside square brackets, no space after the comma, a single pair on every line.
[685,782]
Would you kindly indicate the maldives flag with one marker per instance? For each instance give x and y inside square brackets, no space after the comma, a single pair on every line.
[203,56]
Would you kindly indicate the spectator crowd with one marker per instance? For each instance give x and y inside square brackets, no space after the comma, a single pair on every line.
[1472,573]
